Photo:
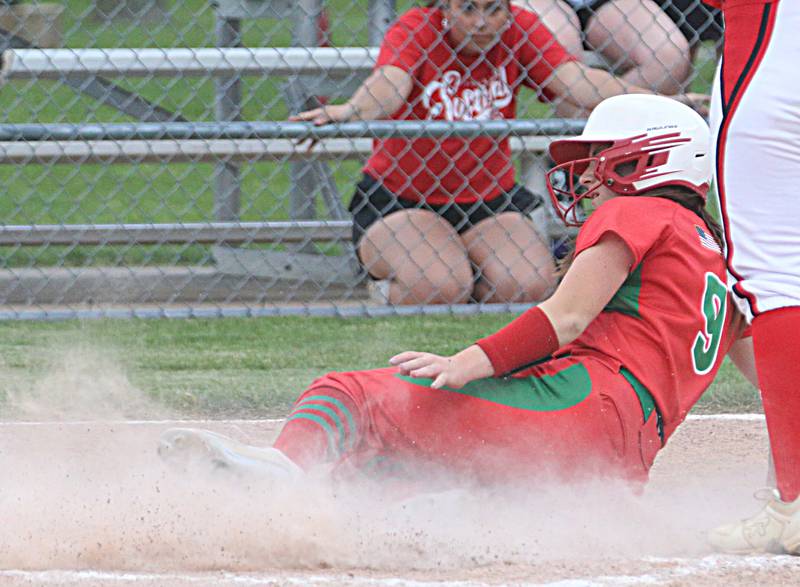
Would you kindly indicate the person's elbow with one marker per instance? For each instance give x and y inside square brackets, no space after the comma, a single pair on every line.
[570,325]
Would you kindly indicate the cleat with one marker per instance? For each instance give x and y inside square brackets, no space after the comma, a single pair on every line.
[189,448]
[775,529]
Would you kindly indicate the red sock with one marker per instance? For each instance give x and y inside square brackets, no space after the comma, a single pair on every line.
[776,338]
[321,427]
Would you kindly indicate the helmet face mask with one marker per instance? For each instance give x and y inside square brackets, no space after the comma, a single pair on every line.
[568,195]
[632,144]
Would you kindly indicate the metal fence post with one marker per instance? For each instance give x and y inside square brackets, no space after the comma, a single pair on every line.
[305,180]
[381,13]
[227,108]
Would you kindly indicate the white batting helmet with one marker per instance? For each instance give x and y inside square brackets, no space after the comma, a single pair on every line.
[655,141]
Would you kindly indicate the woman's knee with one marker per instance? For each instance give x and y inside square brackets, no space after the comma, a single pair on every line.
[500,285]
[515,264]
[422,256]
[638,33]
[391,241]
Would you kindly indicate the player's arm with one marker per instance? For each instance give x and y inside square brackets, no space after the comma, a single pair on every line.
[586,87]
[591,281]
[380,96]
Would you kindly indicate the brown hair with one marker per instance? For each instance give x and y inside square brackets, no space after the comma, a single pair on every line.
[678,194]
[694,203]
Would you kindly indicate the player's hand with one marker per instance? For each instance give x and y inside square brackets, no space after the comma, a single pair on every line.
[455,372]
[326,114]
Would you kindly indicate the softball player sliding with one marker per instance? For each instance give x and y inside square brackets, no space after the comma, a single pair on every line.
[756,139]
[594,380]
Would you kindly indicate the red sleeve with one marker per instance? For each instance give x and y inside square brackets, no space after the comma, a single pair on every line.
[623,216]
[538,50]
[714,3]
[405,43]
[528,338]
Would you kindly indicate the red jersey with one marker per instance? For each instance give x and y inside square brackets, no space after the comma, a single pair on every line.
[723,4]
[450,85]
[671,323]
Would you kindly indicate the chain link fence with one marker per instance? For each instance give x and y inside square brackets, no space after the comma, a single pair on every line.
[150,168]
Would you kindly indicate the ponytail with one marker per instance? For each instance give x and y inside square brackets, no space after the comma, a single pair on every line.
[694,203]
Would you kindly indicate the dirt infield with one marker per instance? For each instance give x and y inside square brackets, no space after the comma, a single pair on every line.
[91,504]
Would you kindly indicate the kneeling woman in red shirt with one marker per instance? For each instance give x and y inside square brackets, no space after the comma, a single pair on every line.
[441,220]
[592,381]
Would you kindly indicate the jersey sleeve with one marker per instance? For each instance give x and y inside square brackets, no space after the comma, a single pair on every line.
[714,3]
[404,44]
[639,221]
[539,52]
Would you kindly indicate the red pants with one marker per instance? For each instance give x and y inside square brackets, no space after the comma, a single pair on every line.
[569,417]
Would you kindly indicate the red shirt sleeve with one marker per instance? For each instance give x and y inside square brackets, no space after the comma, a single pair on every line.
[405,43]
[538,50]
[640,221]
[714,3]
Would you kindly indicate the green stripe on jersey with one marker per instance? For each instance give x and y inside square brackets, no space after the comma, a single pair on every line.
[351,423]
[626,300]
[546,393]
[332,449]
[337,421]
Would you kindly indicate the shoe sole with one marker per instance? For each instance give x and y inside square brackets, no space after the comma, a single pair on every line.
[188,448]
[792,547]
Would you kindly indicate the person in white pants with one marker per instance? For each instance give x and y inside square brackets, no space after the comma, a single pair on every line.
[755,120]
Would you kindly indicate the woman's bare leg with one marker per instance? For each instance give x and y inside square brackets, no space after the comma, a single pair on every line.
[639,34]
[421,254]
[515,264]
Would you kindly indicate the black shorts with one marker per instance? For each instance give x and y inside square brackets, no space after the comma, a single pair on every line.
[587,12]
[372,201]
[697,21]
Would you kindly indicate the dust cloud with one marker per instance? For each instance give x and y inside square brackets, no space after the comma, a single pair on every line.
[96,496]
[83,489]
[79,383]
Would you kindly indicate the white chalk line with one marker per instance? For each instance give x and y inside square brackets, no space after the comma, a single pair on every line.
[683,568]
[60,576]
[264,421]
[687,567]
[277,421]
[734,417]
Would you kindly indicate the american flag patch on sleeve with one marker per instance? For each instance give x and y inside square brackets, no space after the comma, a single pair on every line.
[707,240]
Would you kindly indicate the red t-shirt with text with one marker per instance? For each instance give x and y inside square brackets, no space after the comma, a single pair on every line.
[451,86]
[671,323]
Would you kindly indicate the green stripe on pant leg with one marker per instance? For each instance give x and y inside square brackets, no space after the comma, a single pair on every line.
[382,467]
[546,393]
[337,421]
[351,423]
[332,452]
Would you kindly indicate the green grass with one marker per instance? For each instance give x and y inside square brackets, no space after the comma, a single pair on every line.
[243,367]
